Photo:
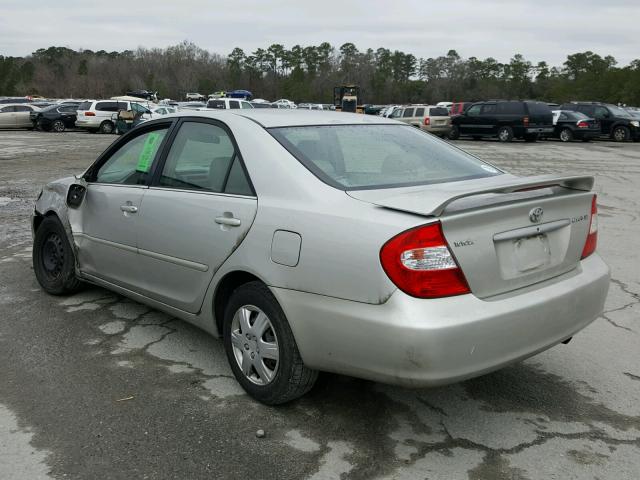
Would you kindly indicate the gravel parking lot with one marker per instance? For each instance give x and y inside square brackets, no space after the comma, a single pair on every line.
[96,386]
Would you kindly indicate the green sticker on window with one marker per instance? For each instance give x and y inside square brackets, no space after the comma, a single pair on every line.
[149,149]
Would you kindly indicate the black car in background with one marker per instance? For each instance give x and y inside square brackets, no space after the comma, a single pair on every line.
[505,119]
[569,125]
[56,118]
[615,122]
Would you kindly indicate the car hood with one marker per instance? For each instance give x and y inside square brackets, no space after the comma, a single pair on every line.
[431,200]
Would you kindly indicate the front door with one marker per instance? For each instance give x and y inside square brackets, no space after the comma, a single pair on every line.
[7,117]
[469,121]
[194,215]
[107,241]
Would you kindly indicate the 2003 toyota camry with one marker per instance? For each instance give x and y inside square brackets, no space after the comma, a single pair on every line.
[328,242]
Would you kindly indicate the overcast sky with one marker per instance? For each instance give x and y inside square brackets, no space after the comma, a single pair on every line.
[539,29]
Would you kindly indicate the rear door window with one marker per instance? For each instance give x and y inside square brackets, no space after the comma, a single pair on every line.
[85,106]
[510,108]
[22,108]
[419,112]
[200,158]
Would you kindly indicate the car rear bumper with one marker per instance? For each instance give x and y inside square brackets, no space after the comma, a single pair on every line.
[83,122]
[418,342]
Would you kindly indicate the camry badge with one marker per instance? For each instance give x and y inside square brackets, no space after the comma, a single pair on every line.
[535,215]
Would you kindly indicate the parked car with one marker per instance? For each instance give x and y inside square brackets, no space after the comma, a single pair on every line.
[446,105]
[505,119]
[388,111]
[16,115]
[429,118]
[98,115]
[243,94]
[164,110]
[458,108]
[56,118]
[144,94]
[271,229]
[194,97]
[263,104]
[615,122]
[228,104]
[570,125]
[284,103]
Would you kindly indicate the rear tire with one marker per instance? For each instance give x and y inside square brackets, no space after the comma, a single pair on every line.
[454,133]
[505,134]
[54,259]
[58,126]
[566,135]
[107,127]
[620,134]
[286,377]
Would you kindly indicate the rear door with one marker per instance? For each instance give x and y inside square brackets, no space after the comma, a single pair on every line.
[197,212]
[468,123]
[22,119]
[107,242]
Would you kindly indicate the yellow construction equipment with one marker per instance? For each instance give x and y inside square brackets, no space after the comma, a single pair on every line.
[346,98]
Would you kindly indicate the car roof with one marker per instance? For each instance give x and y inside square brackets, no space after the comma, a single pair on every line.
[272,117]
[18,105]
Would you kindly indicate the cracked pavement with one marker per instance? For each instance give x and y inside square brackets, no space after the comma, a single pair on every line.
[97,386]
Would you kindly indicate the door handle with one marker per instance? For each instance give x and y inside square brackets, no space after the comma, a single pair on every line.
[232,222]
[129,208]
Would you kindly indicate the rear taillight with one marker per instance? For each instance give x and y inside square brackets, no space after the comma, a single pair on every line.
[583,124]
[427,121]
[420,263]
[89,114]
[592,237]
[525,121]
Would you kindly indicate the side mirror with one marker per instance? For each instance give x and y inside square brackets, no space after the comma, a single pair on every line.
[75,195]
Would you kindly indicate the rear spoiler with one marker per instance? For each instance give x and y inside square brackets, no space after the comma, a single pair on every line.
[420,201]
[583,183]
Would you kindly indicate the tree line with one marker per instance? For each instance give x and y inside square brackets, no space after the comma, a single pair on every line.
[309,74]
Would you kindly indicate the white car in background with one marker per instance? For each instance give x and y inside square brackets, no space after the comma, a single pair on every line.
[284,103]
[98,115]
[16,115]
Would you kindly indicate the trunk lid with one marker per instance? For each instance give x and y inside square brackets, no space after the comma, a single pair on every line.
[505,232]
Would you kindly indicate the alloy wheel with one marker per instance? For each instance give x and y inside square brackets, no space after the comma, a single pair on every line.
[255,345]
[58,126]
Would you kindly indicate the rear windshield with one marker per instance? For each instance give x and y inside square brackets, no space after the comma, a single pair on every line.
[378,156]
[438,112]
[575,115]
[216,104]
[85,106]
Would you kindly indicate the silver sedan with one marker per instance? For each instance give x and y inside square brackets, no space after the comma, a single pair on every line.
[317,241]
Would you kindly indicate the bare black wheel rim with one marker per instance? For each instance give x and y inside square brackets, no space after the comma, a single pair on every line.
[53,255]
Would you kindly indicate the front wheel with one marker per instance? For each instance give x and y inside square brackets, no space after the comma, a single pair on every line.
[505,134]
[454,133]
[566,135]
[53,259]
[106,127]
[260,347]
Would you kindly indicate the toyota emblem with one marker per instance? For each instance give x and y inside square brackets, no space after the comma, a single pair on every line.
[535,215]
